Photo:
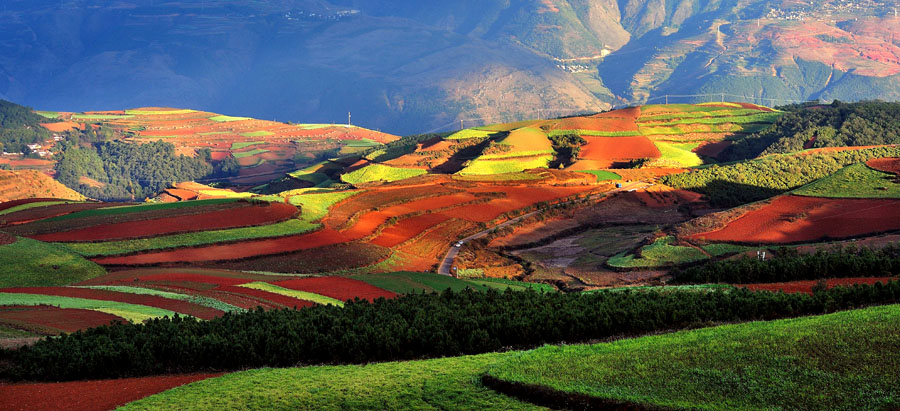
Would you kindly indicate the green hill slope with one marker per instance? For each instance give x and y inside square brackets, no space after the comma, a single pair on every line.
[843,360]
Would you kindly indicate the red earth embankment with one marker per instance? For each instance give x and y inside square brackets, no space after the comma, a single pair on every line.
[795,219]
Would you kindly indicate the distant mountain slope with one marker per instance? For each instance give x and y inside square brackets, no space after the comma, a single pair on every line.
[409,67]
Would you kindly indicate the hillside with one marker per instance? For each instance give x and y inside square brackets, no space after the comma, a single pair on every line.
[409,67]
[664,379]
[24,184]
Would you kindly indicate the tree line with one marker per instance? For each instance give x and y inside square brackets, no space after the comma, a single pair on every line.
[835,125]
[731,185]
[124,171]
[791,265]
[408,327]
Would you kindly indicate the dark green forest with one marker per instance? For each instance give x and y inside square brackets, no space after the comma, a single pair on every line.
[126,171]
[815,126]
[409,327]
[731,185]
[20,126]
[790,265]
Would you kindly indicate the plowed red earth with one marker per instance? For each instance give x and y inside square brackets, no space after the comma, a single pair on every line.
[807,286]
[515,198]
[283,300]
[792,219]
[234,251]
[606,151]
[223,288]
[40,213]
[189,278]
[631,112]
[407,229]
[60,126]
[888,165]
[337,287]
[183,195]
[93,395]
[239,217]
[598,123]
[178,306]
[14,203]
[62,319]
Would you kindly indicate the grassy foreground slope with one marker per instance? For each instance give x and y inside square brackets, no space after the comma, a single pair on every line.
[30,263]
[844,360]
[447,383]
[847,360]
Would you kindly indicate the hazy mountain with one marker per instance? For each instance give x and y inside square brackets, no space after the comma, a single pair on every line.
[410,66]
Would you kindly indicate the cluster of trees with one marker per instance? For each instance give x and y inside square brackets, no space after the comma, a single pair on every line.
[790,265]
[408,327]
[836,125]
[19,127]
[567,147]
[740,183]
[123,171]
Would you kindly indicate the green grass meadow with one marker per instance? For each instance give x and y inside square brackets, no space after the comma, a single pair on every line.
[31,263]
[130,312]
[854,181]
[380,172]
[848,360]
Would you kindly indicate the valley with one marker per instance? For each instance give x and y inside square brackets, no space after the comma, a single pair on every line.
[728,204]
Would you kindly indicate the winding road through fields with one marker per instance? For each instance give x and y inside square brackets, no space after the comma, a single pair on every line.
[446,267]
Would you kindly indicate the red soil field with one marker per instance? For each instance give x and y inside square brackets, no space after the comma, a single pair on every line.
[248,163]
[219,155]
[806,286]
[40,213]
[712,149]
[183,195]
[6,238]
[839,149]
[429,204]
[516,197]
[93,395]
[62,319]
[265,296]
[755,107]
[14,203]
[250,215]
[366,225]
[340,288]
[222,287]
[236,251]
[407,229]
[31,162]
[178,306]
[598,123]
[341,212]
[610,150]
[631,113]
[888,165]
[176,277]
[792,219]
[424,252]
[61,126]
